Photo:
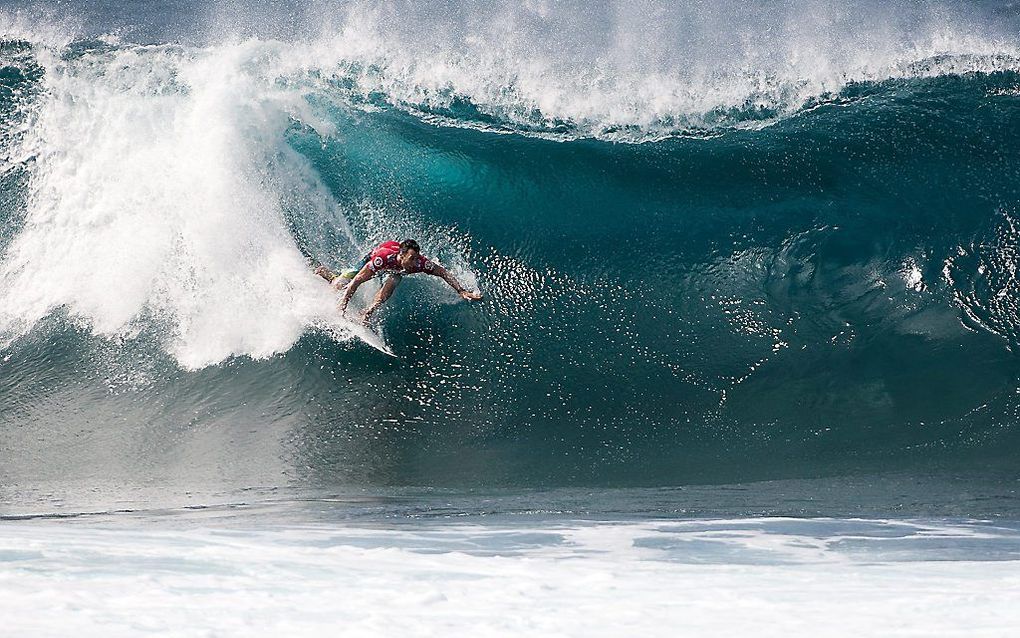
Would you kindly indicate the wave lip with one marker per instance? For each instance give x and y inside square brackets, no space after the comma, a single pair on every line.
[651,109]
[678,72]
[615,72]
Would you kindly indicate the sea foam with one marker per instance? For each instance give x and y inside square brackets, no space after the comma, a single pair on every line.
[765,577]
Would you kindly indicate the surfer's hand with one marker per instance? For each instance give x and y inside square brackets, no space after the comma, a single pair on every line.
[467,295]
[367,314]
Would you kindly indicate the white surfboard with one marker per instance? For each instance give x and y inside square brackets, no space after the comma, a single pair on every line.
[367,335]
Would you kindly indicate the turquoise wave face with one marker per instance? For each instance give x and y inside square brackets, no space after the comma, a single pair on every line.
[830,292]
[784,290]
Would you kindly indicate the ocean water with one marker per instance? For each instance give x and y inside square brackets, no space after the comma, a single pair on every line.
[746,362]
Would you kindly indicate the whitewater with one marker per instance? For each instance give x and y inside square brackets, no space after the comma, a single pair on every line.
[769,577]
[746,361]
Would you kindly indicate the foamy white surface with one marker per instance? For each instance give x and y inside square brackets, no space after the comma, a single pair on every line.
[775,577]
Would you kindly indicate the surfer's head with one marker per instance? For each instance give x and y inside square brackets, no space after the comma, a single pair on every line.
[409,251]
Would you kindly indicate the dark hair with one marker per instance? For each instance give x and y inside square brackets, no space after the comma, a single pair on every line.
[409,244]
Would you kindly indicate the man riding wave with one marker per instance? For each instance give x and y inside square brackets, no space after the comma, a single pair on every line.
[396,259]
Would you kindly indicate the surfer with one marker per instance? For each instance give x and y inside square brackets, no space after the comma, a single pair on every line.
[397,259]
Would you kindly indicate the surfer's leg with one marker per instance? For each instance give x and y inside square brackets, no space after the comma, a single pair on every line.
[383,294]
[325,273]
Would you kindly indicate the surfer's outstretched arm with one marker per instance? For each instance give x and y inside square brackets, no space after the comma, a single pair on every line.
[381,296]
[448,277]
[363,275]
